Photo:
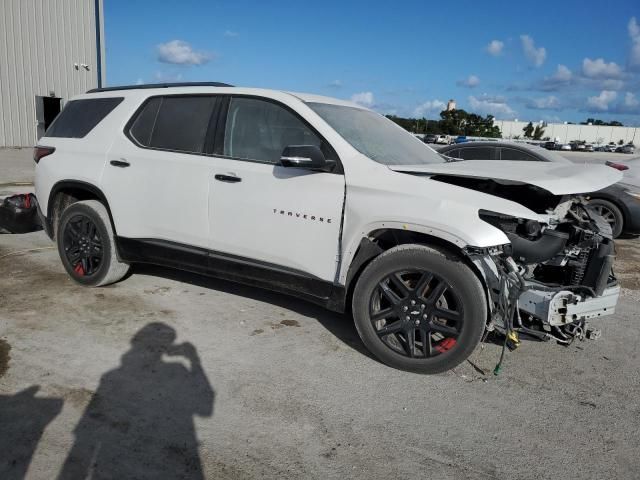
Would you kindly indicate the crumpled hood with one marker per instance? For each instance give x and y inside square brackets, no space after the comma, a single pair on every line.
[558,179]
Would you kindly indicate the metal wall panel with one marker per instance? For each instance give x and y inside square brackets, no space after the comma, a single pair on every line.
[41,41]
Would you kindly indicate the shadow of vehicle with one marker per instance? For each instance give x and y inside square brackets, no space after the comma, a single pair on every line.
[139,423]
[340,325]
[23,418]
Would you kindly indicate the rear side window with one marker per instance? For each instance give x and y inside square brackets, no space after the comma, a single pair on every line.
[79,117]
[174,123]
[513,154]
[476,153]
[455,153]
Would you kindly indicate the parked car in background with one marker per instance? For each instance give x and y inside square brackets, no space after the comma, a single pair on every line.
[443,140]
[577,146]
[626,149]
[461,139]
[619,204]
[549,145]
[430,138]
[565,146]
[589,147]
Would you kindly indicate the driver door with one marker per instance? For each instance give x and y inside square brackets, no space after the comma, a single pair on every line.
[280,217]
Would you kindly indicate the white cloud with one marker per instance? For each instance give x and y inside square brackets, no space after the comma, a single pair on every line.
[495,47]
[537,56]
[544,103]
[139,81]
[601,102]
[180,52]
[335,84]
[230,33]
[488,105]
[430,106]
[363,98]
[634,34]
[630,101]
[598,68]
[471,81]
[563,74]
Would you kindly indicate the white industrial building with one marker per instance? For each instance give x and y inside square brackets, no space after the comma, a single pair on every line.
[565,133]
[50,50]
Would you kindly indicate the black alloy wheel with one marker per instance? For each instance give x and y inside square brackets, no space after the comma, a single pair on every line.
[416,313]
[83,246]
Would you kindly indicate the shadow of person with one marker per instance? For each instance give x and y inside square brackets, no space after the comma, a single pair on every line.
[23,418]
[139,423]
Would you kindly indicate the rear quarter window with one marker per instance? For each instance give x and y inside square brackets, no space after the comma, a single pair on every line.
[79,117]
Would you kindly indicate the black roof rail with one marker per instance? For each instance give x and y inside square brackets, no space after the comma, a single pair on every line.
[159,85]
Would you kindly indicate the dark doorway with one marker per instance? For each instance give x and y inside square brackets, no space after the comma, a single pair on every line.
[47,109]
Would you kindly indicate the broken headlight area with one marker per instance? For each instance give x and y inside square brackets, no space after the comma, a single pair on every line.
[553,276]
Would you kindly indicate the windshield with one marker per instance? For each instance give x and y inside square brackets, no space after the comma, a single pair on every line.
[375,136]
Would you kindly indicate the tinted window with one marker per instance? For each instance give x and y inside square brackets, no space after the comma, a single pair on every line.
[454,153]
[476,153]
[260,130]
[79,117]
[142,127]
[513,154]
[181,123]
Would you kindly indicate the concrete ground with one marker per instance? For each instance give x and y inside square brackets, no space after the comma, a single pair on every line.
[206,378]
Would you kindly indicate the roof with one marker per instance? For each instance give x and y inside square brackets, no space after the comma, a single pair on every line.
[159,85]
[304,97]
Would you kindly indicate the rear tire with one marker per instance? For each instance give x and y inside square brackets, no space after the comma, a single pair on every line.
[418,309]
[86,245]
[611,213]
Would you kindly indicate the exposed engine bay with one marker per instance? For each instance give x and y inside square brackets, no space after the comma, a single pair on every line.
[555,274]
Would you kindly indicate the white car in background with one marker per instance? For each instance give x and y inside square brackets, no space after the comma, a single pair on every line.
[333,203]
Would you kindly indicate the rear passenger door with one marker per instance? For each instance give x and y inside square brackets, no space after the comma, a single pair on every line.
[283,218]
[156,176]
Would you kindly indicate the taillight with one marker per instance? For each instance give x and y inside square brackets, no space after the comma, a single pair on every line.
[39,152]
[617,166]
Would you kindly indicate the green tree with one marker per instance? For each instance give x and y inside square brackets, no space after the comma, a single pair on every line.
[539,131]
[528,130]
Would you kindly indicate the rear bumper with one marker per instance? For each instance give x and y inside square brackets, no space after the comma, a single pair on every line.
[565,307]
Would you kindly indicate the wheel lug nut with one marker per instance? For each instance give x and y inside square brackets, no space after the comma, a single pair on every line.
[408,317]
[422,307]
[413,302]
[417,322]
[405,308]
[424,316]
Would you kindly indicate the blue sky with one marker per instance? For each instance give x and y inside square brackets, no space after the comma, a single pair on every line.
[537,60]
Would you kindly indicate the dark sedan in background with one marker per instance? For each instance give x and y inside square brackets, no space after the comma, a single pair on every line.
[619,204]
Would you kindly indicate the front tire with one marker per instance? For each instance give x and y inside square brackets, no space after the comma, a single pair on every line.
[611,213]
[419,310]
[86,245]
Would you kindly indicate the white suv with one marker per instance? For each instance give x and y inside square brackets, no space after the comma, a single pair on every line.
[331,202]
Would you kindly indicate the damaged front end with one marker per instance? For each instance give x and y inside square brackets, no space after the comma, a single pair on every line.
[553,276]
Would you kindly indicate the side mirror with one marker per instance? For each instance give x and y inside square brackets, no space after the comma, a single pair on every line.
[309,157]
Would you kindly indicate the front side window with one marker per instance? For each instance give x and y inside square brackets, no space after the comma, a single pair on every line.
[177,123]
[513,154]
[260,130]
[476,153]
